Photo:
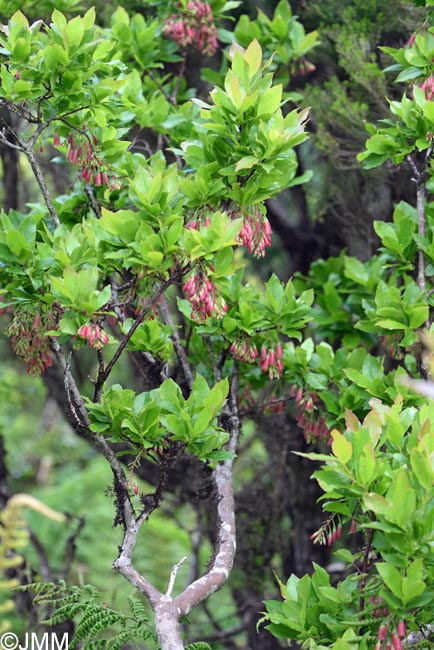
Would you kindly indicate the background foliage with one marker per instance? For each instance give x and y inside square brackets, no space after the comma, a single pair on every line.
[348,323]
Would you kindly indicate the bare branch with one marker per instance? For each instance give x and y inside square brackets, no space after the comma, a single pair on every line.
[223,560]
[173,575]
[419,177]
[140,318]
[82,422]
[179,349]
[41,182]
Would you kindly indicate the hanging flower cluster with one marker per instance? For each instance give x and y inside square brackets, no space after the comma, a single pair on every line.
[193,26]
[428,88]
[255,233]
[388,640]
[29,341]
[329,532]
[380,611]
[82,151]
[304,67]
[202,293]
[271,361]
[244,349]
[308,417]
[95,336]
[197,224]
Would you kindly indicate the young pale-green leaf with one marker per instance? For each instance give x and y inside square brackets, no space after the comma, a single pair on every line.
[341,447]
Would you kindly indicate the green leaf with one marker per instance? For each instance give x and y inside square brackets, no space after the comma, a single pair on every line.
[246,163]
[269,101]
[377,504]
[355,270]
[54,56]
[253,57]
[341,447]
[413,584]
[421,466]
[217,396]
[391,577]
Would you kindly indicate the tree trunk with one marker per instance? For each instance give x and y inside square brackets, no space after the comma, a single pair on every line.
[167,625]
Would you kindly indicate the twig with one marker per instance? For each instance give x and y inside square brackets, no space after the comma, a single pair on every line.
[41,182]
[365,568]
[419,178]
[178,81]
[173,576]
[71,546]
[44,565]
[93,203]
[81,420]
[161,88]
[179,349]
[18,109]
[140,318]
[99,383]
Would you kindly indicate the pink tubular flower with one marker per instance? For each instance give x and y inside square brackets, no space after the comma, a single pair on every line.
[29,339]
[401,629]
[95,336]
[428,88]
[82,151]
[255,233]
[193,26]
[202,293]
[309,417]
[271,361]
[244,349]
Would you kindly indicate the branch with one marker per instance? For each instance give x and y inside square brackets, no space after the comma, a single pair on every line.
[179,349]
[173,576]
[365,568]
[82,422]
[421,231]
[223,560]
[419,178]
[179,79]
[41,182]
[126,569]
[140,318]
[19,109]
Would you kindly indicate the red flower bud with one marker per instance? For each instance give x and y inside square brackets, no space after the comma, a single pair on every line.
[401,629]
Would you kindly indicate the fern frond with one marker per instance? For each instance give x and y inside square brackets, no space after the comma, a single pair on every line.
[199,645]
[95,619]
[98,627]
[65,613]
[138,609]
